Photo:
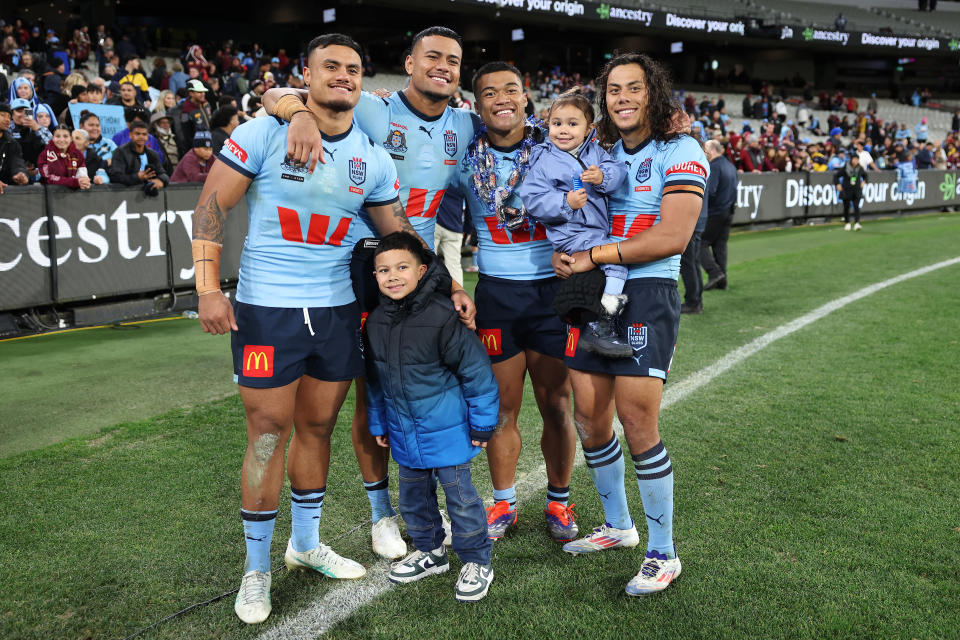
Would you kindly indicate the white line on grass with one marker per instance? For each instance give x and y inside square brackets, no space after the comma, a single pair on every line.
[341,601]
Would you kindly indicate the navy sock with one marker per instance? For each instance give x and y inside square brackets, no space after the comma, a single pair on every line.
[557,494]
[378,493]
[605,464]
[306,505]
[655,480]
[258,533]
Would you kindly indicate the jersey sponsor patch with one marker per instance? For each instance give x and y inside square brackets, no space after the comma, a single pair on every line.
[258,361]
[641,188]
[236,150]
[356,190]
[492,341]
[691,167]
[573,337]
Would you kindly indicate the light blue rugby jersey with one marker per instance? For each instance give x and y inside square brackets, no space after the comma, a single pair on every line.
[512,255]
[302,226]
[425,149]
[653,170]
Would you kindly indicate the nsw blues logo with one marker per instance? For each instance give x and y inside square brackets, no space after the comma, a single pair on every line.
[358,171]
[450,142]
[637,338]
[643,171]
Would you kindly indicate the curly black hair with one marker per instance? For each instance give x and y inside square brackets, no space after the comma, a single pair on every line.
[661,105]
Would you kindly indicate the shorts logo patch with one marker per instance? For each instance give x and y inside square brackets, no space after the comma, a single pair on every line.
[236,150]
[358,171]
[450,142]
[691,167]
[492,341]
[643,171]
[637,337]
[573,337]
[258,361]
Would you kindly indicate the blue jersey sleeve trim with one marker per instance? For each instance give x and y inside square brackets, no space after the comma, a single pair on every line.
[375,203]
[241,170]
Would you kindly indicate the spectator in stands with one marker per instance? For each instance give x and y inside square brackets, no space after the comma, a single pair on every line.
[925,156]
[922,131]
[224,120]
[135,164]
[98,171]
[256,90]
[26,131]
[849,181]
[103,147]
[138,113]
[178,79]
[165,102]
[61,163]
[158,76]
[128,95]
[194,112]
[751,156]
[22,88]
[197,162]
[161,127]
[12,168]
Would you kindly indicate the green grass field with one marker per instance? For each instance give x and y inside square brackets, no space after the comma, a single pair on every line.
[817,490]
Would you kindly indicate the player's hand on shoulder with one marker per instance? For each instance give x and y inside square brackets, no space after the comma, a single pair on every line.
[216,314]
[304,142]
[382,93]
[465,308]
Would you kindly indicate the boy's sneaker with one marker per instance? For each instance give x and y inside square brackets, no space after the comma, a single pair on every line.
[474,581]
[324,560]
[387,542]
[656,574]
[857,226]
[603,538]
[846,227]
[253,600]
[447,529]
[500,517]
[420,564]
[561,521]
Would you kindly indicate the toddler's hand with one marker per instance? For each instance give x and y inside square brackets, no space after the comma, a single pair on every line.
[477,443]
[382,441]
[576,199]
[592,174]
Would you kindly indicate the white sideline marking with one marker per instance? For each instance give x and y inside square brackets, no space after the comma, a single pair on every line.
[341,601]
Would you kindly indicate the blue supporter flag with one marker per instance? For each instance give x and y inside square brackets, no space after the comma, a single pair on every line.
[111,116]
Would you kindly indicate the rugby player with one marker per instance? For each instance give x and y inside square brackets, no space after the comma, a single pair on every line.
[296,323]
[514,296]
[652,219]
[426,139]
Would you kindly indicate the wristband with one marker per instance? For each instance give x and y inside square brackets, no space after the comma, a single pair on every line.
[206,264]
[590,253]
[619,255]
[606,254]
[287,106]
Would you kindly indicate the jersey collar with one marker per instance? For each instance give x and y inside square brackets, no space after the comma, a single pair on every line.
[417,112]
[633,150]
[509,149]
[338,137]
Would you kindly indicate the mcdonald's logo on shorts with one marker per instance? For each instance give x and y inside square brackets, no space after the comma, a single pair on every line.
[257,361]
[491,340]
[573,337]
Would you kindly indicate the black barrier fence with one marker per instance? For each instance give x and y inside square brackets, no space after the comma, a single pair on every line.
[58,245]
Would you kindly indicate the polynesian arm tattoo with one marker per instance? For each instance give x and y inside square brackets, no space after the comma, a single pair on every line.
[401,215]
[208,219]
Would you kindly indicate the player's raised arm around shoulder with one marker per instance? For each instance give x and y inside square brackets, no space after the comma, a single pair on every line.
[304,142]
[271,97]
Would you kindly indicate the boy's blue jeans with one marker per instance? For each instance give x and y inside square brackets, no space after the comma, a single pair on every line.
[421,514]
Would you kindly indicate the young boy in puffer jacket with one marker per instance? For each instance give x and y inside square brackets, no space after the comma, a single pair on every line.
[433,399]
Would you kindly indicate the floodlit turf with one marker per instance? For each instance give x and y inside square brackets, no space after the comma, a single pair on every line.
[816,483]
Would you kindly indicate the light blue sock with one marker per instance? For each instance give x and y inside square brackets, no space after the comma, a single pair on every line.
[557,494]
[510,495]
[306,505]
[655,479]
[258,533]
[378,493]
[605,464]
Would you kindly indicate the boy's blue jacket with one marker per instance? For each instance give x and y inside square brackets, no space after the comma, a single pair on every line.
[430,387]
[544,190]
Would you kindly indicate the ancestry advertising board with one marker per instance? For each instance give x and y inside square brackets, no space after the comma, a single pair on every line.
[774,197]
[107,241]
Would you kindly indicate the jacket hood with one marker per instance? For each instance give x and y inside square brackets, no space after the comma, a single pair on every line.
[548,148]
[435,280]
